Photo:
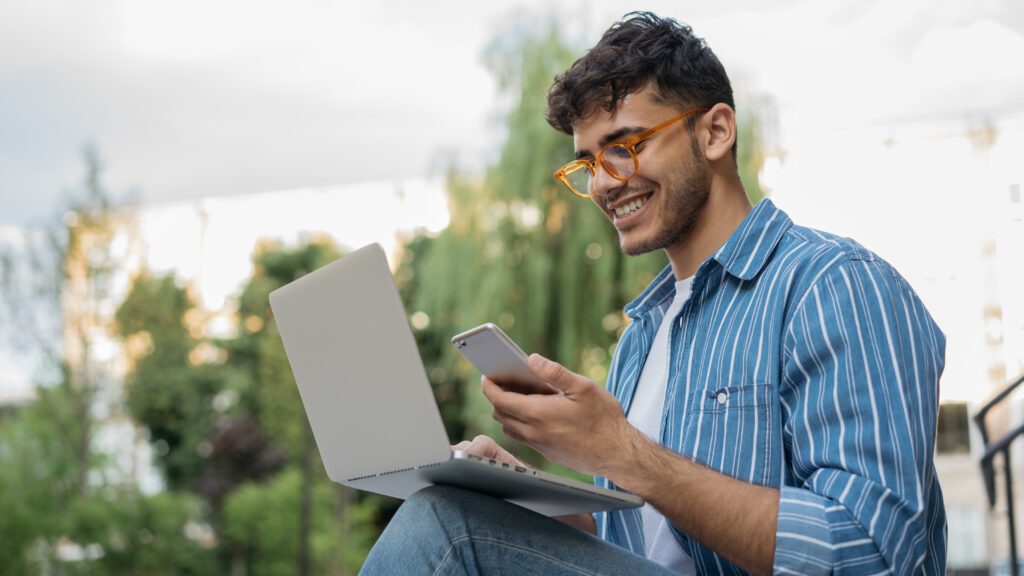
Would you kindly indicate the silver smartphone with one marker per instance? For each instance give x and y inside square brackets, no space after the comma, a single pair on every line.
[496,356]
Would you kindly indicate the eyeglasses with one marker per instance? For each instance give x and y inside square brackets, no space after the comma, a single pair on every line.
[618,159]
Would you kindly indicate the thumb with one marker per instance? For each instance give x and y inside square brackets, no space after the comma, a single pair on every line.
[554,373]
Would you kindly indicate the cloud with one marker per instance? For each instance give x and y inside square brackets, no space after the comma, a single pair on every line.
[186,100]
[969,66]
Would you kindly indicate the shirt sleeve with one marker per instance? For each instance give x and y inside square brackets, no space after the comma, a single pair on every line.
[859,395]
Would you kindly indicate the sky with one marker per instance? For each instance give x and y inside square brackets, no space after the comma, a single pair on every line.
[194,99]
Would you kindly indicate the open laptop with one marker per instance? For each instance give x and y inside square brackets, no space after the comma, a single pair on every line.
[370,404]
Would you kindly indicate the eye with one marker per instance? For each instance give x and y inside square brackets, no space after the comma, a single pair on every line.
[616,152]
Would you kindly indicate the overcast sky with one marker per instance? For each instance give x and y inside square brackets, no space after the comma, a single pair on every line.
[197,98]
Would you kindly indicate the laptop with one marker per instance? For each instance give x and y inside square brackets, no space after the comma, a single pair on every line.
[369,402]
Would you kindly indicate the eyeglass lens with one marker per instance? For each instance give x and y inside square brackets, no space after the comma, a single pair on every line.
[616,160]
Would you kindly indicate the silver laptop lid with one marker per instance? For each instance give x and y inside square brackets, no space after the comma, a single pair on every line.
[358,370]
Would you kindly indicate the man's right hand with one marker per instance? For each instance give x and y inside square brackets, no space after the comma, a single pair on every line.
[486,447]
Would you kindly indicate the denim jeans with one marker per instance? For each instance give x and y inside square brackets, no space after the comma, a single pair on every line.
[446,530]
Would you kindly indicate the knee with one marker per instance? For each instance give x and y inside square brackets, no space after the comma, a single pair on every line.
[436,502]
[450,508]
[439,495]
[435,512]
[421,532]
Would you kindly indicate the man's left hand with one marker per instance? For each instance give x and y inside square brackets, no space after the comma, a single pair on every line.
[583,428]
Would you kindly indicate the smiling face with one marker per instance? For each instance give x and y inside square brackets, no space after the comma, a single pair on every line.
[660,205]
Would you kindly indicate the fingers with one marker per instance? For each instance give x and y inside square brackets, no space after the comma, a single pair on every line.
[517,431]
[508,404]
[486,447]
[554,373]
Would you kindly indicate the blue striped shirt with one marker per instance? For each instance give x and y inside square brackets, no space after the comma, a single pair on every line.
[804,362]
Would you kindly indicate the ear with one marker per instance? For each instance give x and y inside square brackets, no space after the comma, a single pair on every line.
[719,131]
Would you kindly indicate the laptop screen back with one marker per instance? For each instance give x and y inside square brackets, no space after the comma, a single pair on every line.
[357,367]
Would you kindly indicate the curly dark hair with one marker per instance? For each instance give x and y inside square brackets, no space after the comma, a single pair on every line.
[639,48]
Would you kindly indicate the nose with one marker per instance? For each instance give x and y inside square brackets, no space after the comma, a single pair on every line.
[603,183]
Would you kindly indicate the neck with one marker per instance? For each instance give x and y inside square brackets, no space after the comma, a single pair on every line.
[723,213]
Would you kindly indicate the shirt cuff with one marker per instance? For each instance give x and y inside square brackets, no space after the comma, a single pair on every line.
[816,535]
[803,541]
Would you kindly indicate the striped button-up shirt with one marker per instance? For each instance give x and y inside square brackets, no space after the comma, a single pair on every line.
[804,362]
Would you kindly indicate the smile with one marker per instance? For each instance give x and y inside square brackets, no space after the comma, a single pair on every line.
[630,207]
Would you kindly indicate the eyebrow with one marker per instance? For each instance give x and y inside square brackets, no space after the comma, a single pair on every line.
[612,137]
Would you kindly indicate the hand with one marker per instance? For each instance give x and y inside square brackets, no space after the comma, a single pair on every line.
[486,447]
[583,428]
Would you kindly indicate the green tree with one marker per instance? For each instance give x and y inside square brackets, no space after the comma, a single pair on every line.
[226,420]
[166,391]
[59,491]
[260,517]
[38,480]
[267,390]
[161,534]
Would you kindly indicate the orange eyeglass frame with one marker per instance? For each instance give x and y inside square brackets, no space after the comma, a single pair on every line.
[629,144]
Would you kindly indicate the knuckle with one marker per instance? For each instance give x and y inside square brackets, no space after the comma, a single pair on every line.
[557,372]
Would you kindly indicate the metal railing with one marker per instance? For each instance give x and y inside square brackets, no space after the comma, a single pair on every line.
[992,448]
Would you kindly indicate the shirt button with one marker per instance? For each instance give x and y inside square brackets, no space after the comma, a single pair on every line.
[722,398]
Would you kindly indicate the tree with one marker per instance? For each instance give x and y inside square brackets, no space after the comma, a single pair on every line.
[259,516]
[65,507]
[227,422]
[268,391]
[38,480]
[166,390]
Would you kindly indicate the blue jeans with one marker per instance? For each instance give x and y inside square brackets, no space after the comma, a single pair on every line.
[446,530]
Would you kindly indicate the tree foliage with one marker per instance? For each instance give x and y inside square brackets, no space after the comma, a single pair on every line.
[164,390]
[520,252]
[64,506]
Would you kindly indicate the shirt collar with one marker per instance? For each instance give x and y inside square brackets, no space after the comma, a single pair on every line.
[656,292]
[743,255]
[747,250]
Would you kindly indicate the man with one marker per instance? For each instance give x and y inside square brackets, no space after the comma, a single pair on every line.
[773,399]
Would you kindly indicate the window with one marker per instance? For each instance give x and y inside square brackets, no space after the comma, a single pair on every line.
[953,435]
[967,536]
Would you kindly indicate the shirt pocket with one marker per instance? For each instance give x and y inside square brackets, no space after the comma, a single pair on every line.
[731,430]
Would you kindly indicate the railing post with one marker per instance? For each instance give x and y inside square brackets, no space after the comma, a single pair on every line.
[1009,506]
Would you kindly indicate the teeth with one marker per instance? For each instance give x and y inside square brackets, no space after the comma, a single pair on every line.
[629,208]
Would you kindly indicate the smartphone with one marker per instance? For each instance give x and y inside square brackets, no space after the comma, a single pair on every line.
[496,356]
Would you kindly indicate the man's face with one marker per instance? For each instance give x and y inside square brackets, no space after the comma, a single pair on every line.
[659,206]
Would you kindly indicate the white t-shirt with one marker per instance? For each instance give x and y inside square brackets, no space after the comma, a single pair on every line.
[645,414]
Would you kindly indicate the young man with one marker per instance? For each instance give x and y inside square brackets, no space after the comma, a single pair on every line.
[773,399]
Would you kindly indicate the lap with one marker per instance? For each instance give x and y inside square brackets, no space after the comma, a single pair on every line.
[446,530]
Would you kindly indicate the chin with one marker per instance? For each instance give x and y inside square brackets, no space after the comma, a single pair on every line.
[636,246]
